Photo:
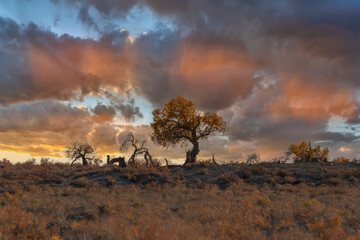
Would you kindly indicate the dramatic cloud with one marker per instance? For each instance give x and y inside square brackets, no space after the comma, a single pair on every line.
[37,64]
[278,72]
[169,64]
[43,116]
[103,113]
[106,7]
[42,128]
[128,110]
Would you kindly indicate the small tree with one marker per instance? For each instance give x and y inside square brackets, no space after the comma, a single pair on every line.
[179,122]
[304,152]
[80,151]
[139,149]
[253,159]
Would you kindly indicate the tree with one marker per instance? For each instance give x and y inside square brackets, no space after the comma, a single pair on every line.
[304,152]
[253,158]
[179,122]
[80,151]
[138,149]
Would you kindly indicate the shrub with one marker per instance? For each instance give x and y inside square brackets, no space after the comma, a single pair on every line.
[253,159]
[341,160]
[289,179]
[110,181]
[258,169]
[283,173]
[81,182]
[245,173]
[334,180]
[270,180]
[229,178]
[304,152]
[204,171]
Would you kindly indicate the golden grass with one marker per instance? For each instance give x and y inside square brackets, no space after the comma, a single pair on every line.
[59,202]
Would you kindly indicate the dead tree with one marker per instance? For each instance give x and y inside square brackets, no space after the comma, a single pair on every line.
[80,151]
[120,160]
[139,149]
[213,159]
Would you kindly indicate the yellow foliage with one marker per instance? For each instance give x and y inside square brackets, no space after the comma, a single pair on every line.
[36,202]
[304,152]
[312,202]
[341,160]
[179,122]
[10,198]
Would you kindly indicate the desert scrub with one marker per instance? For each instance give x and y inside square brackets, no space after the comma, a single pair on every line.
[283,173]
[230,178]
[81,182]
[204,171]
[305,152]
[245,173]
[110,181]
[258,169]
[213,206]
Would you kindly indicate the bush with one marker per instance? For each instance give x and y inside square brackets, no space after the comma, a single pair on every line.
[253,159]
[229,178]
[304,152]
[341,160]
[258,169]
[245,174]
[110,181]
[283,173]
[81,182]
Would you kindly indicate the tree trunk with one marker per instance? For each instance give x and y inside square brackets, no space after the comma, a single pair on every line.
[191,155]
[148,158]
[85,162]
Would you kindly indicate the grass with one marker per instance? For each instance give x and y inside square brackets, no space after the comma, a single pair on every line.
[203,201]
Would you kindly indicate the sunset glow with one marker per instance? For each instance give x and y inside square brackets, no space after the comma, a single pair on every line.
[278,72]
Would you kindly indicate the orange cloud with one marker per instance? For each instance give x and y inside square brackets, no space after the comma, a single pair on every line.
[71,69]
[214,74]
[345,149]
[312,101]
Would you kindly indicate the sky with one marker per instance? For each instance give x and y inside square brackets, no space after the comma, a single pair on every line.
[277,71]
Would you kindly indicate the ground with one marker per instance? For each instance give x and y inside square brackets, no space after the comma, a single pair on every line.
[202,201]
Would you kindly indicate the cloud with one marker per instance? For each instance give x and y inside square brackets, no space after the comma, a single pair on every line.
[277,71]
[126,105]
[44,128]
[37,64]
[169,64]
[345,149]
[271,122]
[104,136]
[103,113]
[43,116]
[107,7]
[85,17]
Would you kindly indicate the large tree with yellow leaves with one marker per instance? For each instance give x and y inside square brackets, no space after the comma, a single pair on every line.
[179,122]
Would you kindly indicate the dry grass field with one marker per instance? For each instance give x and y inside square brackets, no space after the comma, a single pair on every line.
[201,201]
